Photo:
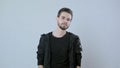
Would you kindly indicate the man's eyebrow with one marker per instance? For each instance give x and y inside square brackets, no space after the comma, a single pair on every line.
[63,16]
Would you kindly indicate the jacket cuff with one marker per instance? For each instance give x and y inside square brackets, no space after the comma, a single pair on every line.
[40,63]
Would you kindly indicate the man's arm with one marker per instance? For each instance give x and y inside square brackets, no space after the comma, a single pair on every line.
[40,66]
[40,52]
[78,50]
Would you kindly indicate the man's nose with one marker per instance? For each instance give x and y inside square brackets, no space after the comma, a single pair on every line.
[65,21]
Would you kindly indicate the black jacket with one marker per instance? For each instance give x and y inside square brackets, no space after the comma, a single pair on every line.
[43,53]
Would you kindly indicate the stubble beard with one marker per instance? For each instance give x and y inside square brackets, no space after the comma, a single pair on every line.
[63,26]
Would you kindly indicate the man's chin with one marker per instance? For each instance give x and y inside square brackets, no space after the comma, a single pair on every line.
[63,28]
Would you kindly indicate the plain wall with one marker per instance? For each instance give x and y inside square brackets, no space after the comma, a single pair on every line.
[96,22]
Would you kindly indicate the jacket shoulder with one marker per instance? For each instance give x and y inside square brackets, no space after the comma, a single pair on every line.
[45,34]
[73,35]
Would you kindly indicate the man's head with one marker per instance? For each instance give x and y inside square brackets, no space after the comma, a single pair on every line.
[64,18]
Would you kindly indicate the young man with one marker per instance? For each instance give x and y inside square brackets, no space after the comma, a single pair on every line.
[60,49]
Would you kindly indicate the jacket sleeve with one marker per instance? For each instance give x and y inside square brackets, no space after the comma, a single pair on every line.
[40,51]
[78,54]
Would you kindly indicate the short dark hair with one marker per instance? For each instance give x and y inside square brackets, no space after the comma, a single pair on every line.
[68,10]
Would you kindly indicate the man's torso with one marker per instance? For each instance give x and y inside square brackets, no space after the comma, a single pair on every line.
[59,51]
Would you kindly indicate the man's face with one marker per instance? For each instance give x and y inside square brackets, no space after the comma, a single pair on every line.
[64,20]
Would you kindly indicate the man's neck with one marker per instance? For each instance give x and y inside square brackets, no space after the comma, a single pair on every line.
[59,33]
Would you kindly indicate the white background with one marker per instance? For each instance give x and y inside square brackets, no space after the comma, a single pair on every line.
[96,22]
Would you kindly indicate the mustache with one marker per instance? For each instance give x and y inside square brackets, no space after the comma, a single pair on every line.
[63,24]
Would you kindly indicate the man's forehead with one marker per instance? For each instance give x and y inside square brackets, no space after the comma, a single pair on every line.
[65,14]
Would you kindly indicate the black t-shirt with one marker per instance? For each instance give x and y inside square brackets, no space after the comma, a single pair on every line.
[59,51]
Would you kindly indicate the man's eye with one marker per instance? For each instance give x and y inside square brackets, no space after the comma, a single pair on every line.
[63,17]
[68,19]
